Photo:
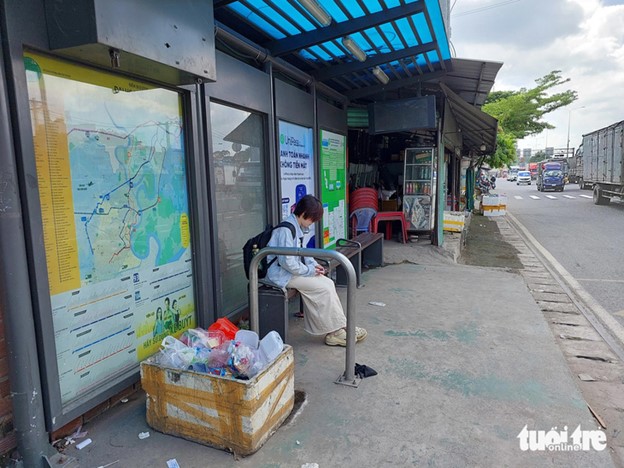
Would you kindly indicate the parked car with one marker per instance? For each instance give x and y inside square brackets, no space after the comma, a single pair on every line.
[524,177]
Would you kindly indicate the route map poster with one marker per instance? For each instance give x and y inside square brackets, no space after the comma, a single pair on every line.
[333,161]
[111,172]
[296,169]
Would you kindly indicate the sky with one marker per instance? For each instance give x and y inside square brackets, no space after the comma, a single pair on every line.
[582,38]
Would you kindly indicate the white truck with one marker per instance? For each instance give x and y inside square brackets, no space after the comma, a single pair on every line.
[603,163]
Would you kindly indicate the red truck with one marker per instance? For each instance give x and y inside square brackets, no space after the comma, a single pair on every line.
[533,169]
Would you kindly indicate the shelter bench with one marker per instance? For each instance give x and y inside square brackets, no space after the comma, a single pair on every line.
[364,249]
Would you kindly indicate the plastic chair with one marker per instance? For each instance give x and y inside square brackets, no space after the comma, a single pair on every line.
[363,192]
[390,216]
[364,198]
[361,220]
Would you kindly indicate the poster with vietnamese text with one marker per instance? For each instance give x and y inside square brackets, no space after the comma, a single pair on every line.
[296,169]
[333,164]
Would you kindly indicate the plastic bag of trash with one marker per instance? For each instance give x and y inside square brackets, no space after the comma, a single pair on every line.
[200,360]
[242,359]
[219,356]
[175,354]
[199,337]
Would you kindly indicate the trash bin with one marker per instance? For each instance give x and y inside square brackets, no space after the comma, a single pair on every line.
[222,412]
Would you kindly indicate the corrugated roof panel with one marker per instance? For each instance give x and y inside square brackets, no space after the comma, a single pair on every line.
[318,52]
[296,16]
[375,37]
[407,32]
[253,18]
[423,28]
[433,56]
[335,11]
[372,6]
[433,7]
[353,7]
[332,48]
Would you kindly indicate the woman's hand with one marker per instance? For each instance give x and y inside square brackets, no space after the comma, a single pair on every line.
[319,270]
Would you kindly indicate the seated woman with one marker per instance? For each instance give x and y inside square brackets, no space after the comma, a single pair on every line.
[323,311]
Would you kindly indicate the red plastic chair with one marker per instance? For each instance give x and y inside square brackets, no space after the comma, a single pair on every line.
[390,216]
[363,198]
[363,193]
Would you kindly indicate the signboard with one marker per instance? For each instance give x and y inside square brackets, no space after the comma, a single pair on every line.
[111,173]
[333,162]
[296,169]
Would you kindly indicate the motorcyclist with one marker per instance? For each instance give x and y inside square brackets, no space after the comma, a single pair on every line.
[484,184]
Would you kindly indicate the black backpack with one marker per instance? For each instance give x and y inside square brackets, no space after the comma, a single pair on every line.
[260,241]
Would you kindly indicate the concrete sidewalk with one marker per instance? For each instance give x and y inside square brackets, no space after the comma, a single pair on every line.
[465,360]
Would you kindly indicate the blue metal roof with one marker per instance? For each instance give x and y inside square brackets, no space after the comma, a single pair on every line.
[405,38]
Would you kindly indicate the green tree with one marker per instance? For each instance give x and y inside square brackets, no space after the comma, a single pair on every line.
[537,157]
[520,114]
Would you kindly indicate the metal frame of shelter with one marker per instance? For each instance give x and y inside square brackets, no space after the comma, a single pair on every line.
[403,52]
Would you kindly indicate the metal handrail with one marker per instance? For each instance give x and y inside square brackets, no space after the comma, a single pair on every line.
[348,378]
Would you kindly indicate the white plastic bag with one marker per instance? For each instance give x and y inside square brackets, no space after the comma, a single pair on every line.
[176,354]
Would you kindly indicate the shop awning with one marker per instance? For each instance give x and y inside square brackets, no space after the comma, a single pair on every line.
[472,80]
[478,129]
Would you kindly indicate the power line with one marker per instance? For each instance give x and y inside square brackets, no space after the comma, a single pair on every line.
[484,8]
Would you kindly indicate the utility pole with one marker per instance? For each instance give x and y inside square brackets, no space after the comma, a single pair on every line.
[569,117]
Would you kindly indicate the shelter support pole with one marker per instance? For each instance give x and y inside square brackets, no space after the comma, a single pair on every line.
[348,377]
[16,304]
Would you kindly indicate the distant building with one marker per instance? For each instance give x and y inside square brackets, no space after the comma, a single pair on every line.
[526,153]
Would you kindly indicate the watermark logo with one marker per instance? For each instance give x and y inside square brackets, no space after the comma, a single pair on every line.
[562,441]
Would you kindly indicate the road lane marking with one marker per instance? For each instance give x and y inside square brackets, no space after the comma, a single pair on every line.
[517,197]
[551,197]
[600,280]
[569,196]
[534,197]
[586,196]
[603,316]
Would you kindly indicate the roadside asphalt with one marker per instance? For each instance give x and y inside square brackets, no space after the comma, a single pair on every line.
[467,368]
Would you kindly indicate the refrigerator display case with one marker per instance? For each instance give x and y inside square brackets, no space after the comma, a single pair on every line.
[419,188]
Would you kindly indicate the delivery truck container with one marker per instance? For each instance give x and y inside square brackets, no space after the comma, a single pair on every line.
[603,170]
[575,171]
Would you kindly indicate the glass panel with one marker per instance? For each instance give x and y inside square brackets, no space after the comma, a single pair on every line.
[238,157]
[419,188]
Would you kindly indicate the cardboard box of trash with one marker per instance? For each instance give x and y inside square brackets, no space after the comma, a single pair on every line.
[454,221]
[231,414]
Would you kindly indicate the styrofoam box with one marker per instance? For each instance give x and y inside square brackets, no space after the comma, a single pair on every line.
[223,412]
[454,221]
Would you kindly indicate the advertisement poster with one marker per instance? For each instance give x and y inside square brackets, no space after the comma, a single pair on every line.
[296,169]
[111,172]
[333,162]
